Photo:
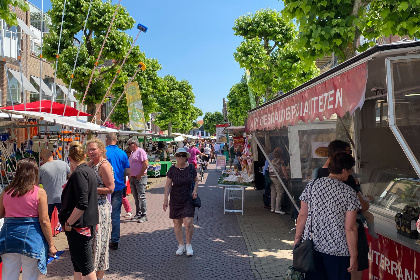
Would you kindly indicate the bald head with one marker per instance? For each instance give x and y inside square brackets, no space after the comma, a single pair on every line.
[46,155]
[111,138]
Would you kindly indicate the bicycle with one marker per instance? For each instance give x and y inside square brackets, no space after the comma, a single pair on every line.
[200,170]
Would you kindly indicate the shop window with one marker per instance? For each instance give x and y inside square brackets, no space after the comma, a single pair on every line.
[406,105]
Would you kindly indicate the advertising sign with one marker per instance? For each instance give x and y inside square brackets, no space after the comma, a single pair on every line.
[220,162]
[389,260]
[135,107]
[220,136]
[320,149]
[338,95]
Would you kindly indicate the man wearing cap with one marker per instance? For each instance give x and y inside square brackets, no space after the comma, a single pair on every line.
[119,162]
[138,178]
[53,174]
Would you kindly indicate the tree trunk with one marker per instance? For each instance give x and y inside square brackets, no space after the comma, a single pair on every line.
[349,52]
[170,129]
[91,108]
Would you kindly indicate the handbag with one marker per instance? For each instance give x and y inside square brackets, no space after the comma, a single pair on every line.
[293,274]
[304,252]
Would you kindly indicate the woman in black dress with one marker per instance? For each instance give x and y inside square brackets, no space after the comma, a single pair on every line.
[180,178]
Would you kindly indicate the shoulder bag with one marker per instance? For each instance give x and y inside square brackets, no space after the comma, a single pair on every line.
[304,252]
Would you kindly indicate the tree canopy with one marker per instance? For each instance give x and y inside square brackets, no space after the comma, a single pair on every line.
[8,15]
[238,103]
[210,120]
[267,52]
[175,106]
[115,49]
[335,26]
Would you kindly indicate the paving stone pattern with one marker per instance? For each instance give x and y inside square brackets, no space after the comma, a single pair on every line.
[256,245]
[147,250]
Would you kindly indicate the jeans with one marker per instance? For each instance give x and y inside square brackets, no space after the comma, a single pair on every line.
[138,188]
[116,202]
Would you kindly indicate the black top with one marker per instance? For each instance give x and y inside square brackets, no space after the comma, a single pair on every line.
[81,192]
[351,182]
[238,153]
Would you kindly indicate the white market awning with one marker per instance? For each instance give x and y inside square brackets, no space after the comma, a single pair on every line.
[45,89]
[66,121]
[26,28]
[26,84]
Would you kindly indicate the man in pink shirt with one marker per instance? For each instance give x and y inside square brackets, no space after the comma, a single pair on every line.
[138,178]
[194,152]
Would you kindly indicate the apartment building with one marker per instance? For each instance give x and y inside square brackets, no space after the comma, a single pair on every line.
[23,81]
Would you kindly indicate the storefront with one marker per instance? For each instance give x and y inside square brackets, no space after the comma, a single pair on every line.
[380,90]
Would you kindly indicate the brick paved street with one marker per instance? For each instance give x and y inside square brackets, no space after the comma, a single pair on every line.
[254,246]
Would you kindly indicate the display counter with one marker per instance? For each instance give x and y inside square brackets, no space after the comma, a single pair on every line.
[165,165]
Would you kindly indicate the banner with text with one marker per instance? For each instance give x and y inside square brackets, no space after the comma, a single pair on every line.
[135,107]
[389,260]
[337,95]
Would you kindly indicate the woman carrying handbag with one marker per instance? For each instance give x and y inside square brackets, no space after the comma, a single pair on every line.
[330,219]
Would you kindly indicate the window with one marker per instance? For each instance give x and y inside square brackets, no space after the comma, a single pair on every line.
[15,89]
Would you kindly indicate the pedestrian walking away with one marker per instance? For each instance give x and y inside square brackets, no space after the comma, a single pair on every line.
[79,212]
[105,176]
[119,162]
[179,182]
[26,238]
[138,178]
[53,175]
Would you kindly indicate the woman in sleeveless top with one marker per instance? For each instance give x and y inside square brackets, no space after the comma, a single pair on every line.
[105,175]
[26,237]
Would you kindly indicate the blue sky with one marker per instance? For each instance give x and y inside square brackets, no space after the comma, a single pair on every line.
[193,40]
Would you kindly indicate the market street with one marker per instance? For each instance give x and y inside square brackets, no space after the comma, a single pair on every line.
[254,246]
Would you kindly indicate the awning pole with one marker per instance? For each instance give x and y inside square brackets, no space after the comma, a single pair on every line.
[275,171]
[40,59]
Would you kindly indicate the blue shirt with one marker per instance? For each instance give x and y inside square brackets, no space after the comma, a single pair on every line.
[270,157]
[119,162]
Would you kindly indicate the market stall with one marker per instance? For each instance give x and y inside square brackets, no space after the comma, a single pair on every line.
[25,133]
[379,91]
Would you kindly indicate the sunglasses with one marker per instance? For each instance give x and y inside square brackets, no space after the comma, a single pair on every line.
[181,155]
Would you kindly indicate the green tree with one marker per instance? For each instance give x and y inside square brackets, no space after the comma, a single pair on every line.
[115,49]
[7,14]
[210,120]
[175,103]
[268,54]
[335,26]
[238,103]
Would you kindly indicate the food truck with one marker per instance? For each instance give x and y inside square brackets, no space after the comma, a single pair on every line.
[373,99]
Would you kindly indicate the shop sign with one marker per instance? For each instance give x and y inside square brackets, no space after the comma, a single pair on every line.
[220,136]
[238,141]
[391,261]
[337,95]
[220,161]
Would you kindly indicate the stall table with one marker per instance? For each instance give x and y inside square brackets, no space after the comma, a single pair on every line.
[165,165]
[227,190]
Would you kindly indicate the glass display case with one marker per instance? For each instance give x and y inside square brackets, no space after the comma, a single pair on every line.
[399,193]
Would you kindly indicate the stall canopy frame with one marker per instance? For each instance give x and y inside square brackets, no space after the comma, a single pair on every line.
[391,111]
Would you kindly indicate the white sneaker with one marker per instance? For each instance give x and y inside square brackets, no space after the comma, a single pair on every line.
[181,250]
[128,215]
[190,251]
[280,212]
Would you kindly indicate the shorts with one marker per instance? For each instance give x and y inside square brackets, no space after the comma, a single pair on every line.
[81,252]
[362,247]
